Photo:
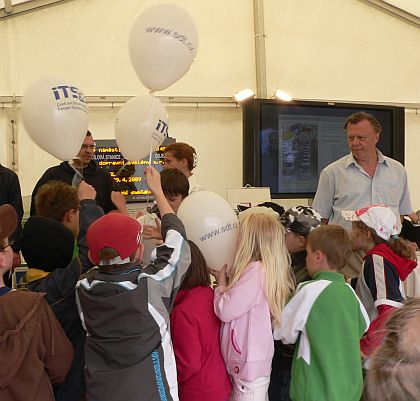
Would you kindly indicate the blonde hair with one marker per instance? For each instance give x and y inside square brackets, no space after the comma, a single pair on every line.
[261,238]
[394,370]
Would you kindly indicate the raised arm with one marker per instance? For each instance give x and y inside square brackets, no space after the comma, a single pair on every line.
[153,182]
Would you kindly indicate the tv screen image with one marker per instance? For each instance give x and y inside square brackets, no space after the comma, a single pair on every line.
[128,175]
[286,145]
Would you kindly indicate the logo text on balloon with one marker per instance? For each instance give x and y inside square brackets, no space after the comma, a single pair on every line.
[162,127]
[75,93]
[70,98]
[220,230]
[168,32]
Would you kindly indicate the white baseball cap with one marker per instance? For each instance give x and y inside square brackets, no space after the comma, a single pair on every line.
[380,218]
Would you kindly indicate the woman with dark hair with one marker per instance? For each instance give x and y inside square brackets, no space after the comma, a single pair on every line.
[184,158]
[195,331]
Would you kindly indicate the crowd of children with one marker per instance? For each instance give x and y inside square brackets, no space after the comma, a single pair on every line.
[98,325]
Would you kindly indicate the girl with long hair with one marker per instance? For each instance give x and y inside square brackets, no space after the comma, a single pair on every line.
[195,331]
[388,262]
[248,300]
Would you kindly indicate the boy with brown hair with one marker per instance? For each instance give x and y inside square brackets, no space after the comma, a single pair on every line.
[50,272]
[327,320]
[175,187]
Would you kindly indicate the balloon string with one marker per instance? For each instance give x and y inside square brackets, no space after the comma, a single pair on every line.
[149,124]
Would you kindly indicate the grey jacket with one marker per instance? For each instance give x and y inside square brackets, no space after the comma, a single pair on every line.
[125,310]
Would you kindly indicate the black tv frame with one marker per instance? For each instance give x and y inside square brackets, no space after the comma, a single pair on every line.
[252,132]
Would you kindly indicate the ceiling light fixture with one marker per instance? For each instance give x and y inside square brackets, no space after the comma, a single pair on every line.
[243,95]
[282,95]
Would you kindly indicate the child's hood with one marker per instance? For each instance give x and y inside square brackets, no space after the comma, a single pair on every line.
[404,266]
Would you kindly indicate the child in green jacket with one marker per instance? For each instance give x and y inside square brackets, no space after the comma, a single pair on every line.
[327,320]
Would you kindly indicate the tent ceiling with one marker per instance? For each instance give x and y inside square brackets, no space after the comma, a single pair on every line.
[10,8]
[406,10]
[409,6]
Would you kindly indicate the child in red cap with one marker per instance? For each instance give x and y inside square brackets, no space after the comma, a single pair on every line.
[125,308]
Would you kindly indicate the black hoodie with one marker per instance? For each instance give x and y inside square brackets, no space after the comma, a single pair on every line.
[10,193]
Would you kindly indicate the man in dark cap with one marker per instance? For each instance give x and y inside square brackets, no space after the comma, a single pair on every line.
[299,222]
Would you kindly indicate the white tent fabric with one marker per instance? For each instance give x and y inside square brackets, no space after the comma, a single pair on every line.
[328,49]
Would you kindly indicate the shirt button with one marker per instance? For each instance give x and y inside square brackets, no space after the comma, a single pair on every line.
[236,369]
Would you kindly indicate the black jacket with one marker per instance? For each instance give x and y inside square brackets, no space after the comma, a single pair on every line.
[125,310]
[10,193]
[93,175]
[59,287]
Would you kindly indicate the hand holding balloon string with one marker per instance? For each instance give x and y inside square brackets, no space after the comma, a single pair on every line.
[86,191]
[152,232]
[220,276]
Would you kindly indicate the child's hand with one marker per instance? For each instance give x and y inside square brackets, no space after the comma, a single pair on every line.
[153,179]
[152,232]
[139,214]
[118,199]
[86,191]
[220,275]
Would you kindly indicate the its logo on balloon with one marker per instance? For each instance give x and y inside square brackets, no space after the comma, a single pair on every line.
[162,127]
[62,92]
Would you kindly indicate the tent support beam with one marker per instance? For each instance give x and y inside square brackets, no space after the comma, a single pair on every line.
[10,10]
[394,11]
[260,59]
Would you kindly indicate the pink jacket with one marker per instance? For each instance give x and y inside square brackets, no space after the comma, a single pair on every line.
[246,336]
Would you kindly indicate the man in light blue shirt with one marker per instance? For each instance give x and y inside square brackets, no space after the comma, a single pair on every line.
[362,178]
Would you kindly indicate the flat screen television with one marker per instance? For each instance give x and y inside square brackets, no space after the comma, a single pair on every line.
[287,144]
[128,176]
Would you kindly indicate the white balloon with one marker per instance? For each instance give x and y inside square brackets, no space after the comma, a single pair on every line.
[141,126]
[55,114]
[163,44]
[212,224]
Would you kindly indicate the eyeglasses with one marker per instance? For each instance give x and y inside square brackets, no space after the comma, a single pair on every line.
[10,243]
[93,147]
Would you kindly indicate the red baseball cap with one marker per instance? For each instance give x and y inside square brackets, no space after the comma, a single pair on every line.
[114,230]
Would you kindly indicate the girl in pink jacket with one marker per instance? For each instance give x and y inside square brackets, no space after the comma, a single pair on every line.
[248,299]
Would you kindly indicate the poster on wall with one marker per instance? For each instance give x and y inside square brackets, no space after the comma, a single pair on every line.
[128,175]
